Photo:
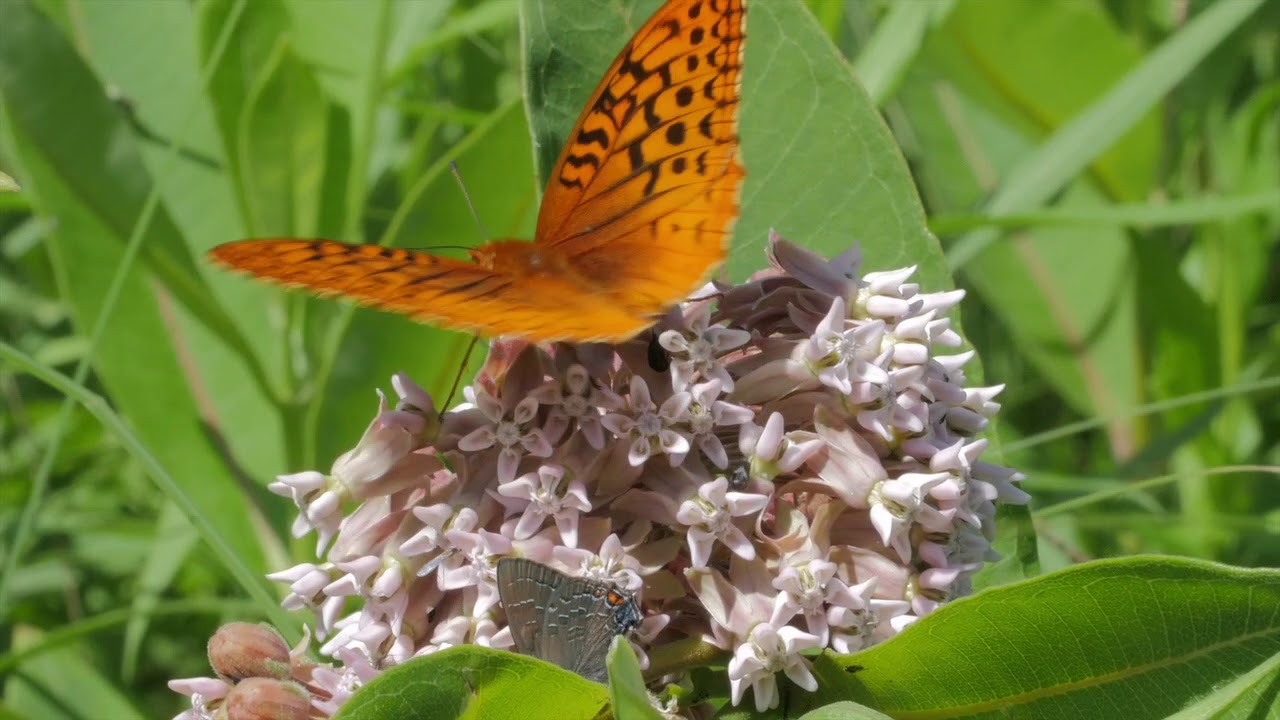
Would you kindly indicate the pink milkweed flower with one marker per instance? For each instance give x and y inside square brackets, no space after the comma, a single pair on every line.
[709,517]
[899,504]
[848,449]
[767,650]
[514,433]
[546,494]
[854,618]
[610,564]
[206,696]
[575,400]
[806,589]
[842,352]
[772,451]
[696,351]
[651,429]
[706,413]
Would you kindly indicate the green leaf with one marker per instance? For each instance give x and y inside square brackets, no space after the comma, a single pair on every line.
[822,167]
[1142,637]
[627,694]
[471,681]
[844,710]
[282,144]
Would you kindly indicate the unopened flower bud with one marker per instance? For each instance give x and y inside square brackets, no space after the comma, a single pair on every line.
[266,699]
[242,650]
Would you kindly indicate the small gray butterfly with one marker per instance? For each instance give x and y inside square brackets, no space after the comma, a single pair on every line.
[564,620]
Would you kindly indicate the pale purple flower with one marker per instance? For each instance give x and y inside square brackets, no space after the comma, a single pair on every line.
[695,352]
[772,451]
[706,413]
[331,687]
[899,504]
[765,652]
[649,428]
[842,352]
[307,583]
[610,564]
[206,696]
[575,401]
[709,516]
[482,550]
[805,589]
[547,494]
[512,433]
[854,617]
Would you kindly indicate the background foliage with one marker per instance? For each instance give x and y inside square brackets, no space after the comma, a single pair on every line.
[1104,178]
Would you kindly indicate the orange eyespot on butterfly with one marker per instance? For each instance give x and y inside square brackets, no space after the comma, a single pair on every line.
[638,213]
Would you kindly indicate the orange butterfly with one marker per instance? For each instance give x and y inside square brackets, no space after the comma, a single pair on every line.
[637,214]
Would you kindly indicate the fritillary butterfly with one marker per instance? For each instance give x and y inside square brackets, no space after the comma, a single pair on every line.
[637,214]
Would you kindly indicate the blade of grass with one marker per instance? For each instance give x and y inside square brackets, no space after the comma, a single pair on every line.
[1056,161]
[97,406]
[1192,211]
[40,483]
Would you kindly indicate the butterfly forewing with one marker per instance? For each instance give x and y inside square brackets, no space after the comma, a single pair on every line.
[652,171]
[434,289]
[637,213]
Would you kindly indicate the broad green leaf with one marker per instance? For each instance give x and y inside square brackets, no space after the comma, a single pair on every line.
[282,145]
[1142,637]
[156,75]
[844,711]
[627,694]
[257,29]
[822,167]
[474,682]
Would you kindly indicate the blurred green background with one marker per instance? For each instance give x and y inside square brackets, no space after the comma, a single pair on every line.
[1102,177]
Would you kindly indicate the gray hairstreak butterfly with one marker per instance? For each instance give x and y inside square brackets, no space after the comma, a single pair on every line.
[564,620]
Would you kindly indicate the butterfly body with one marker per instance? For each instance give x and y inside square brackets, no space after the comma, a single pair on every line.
[637,215]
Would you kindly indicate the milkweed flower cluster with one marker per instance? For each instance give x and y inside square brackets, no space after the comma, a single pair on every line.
[787,464]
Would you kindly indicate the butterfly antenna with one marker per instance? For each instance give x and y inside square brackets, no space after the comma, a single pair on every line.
[457,379]
[457,174]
